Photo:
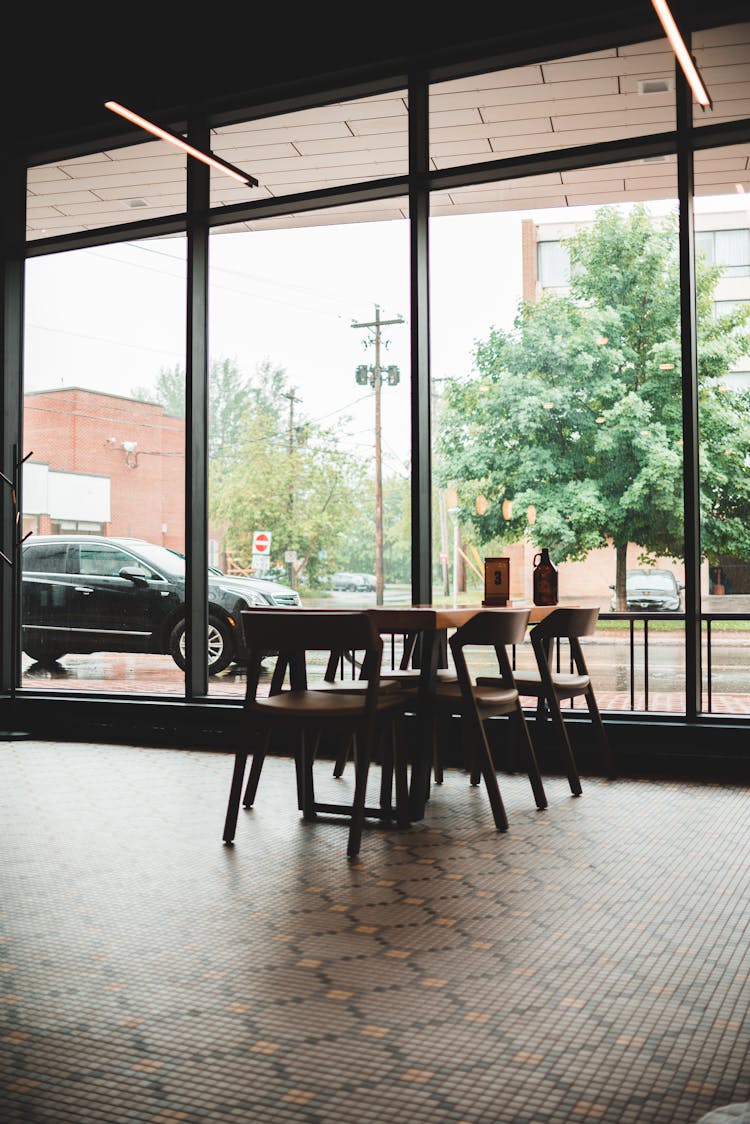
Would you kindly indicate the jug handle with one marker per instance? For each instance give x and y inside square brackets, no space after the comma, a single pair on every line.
[536,559]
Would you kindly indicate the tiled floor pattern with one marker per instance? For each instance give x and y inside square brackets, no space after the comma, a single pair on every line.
[591,964]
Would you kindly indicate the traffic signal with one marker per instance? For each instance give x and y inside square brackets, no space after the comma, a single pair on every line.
[361,376]
[393,376]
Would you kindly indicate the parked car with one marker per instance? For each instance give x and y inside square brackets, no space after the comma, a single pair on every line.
[347,581]
[652,591]
[82,593]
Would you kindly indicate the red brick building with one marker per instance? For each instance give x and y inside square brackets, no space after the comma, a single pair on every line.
[103,463]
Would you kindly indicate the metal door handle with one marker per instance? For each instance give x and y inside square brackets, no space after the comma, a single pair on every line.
[85,589]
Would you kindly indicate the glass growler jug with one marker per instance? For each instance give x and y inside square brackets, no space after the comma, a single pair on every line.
[545,579]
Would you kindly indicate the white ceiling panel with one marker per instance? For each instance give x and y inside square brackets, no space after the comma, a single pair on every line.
[246,136]
[538,108]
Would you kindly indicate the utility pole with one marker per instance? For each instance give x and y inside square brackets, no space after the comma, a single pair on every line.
[442,502]
[374,376]
[292,399]
[290,449]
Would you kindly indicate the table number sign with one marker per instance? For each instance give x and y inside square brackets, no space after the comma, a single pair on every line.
[496,581]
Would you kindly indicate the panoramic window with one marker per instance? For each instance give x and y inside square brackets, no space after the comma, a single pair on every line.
[557,409]
[309,418]
[103,485]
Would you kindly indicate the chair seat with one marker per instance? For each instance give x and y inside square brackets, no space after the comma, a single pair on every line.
[354,686]
[323,704]
[567,684]
[491,697]
[410,677]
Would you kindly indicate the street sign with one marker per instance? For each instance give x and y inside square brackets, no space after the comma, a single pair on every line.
[262,542]
[261,563]
[290,555]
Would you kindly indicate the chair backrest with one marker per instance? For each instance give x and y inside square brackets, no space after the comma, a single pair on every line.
[566,623]
[498,628]
[563,624]
[293,632]
[309,629]
[493,626]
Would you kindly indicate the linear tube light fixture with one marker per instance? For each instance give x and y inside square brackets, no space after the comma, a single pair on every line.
[682,54]
[172,138]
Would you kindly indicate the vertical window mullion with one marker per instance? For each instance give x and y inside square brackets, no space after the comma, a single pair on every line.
[689,346]
[421,451]
[196,417]
[11,329]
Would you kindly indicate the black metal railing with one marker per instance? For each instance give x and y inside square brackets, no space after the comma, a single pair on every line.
[645,619]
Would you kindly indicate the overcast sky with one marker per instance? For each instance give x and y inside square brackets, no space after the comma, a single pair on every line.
[110,318]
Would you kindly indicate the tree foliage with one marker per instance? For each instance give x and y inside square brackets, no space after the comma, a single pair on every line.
[577,410]
[270,470]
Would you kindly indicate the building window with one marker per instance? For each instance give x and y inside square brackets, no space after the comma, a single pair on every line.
[728,248]
[724,308]
[76,526]
[553,265]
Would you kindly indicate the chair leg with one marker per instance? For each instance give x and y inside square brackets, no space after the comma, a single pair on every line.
[362,754]
[341,758]
[484,767]
[437,756]
[557,720]
[402,780]
[527,746]
[601,735]
[233,805]
[259,756]
[387,772]
[305,755]
[471,757]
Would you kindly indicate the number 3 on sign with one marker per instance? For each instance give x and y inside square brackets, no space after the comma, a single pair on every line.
[496,581]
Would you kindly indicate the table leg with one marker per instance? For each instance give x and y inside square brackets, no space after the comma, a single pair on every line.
[423,743]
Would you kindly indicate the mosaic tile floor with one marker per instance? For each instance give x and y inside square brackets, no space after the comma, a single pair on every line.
[591,964]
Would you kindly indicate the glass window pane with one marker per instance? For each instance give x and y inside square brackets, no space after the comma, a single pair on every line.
[105,429]
[345,142]
[102,560]
[554,265]
[733,251]
[109,188]
[557,411]
[563,103]
[309,493]
[722,55]
[724,410]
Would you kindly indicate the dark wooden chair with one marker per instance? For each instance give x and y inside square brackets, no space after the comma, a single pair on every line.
[345,673]
[477,703]
[296,710]
[551,687]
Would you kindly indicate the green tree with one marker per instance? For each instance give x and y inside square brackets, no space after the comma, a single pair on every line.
[356,546]
[577,410]
[298,484]
[230,395]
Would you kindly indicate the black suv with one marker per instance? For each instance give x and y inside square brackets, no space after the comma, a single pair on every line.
[87,594]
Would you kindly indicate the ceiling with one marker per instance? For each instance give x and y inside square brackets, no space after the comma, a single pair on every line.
[584,99]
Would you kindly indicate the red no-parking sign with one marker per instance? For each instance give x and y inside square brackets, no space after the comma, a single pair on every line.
[261,542]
